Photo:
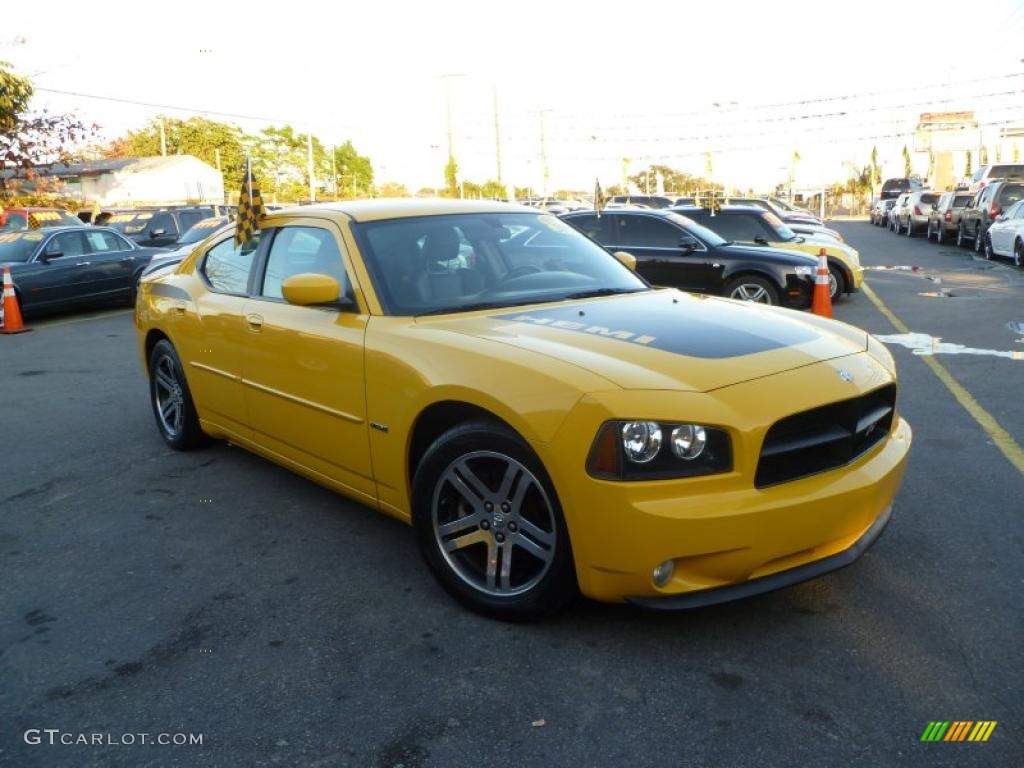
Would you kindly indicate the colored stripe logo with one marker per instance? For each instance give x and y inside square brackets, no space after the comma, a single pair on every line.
[958,730]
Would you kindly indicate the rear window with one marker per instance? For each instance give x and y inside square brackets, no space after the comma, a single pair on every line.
[962,201]
[1004,171]
[929,199]
[1010,194]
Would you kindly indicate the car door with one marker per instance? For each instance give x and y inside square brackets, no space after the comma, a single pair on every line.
[1002,232]
[210,331]
[303,366]
[666,255]
[65,271]
[112,262]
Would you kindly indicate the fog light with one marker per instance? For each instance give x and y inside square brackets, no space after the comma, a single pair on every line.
[641,440]
[688,441]
[663,573]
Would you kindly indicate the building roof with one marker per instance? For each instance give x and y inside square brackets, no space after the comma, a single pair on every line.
[110,165]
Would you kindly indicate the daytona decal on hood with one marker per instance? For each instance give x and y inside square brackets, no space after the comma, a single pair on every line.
[717,330]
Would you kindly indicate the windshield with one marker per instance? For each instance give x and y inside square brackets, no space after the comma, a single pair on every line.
[18,246]
[202,230]
[785,233]
[701,232]
[457,263]
[129,223]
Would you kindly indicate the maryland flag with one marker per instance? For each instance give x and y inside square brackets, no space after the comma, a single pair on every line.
[33,222]
[250,209]
[599,199]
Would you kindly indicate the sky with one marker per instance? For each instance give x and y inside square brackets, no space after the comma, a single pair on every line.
[615,85]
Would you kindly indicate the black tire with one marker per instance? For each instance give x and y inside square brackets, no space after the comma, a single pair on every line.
[979,240]
[838,282]
[167,375]
[910,227]
[960,236]
[485,448]
[940,234]
[1018,254]
[747,284]
[987,248]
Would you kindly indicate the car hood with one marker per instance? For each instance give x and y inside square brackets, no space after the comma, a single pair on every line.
[664,339]
[774,253]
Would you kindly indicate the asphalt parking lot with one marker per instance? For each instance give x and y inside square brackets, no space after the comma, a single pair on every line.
[213,593]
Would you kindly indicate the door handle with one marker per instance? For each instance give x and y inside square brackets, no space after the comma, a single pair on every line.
[126,258]
[84,264]
[255,322]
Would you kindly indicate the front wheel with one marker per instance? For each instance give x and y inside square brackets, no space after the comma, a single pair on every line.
[752,288]
[989,253]
[489,524]
[1018,254]
[836,282]
[175,413]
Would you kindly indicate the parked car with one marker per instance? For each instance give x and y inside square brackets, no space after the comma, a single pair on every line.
[814,230]
[1005,237]
[13,219]
[911,215]
[893,188]
[675,251]
[164,227]
[60,267]
[986,205]
[986,174]
[545,422]
[890,219]
[790,217]
[184,245]
[752,226]
[944,217]
[649,201]
[880,211]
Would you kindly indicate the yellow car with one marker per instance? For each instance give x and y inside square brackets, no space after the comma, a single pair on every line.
[750,225]
[547,422]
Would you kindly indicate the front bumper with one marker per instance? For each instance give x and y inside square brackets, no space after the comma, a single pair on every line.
[788,578]
[721,531]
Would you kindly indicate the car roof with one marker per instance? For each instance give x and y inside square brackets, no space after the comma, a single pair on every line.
[400,208]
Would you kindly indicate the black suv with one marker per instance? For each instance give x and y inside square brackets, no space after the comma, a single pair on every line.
[978,216]
[893,188]
[675,251]
[163,227]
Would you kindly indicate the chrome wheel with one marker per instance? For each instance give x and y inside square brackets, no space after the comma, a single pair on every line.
[169,396]
[987,248]
[494,523]
[751,292]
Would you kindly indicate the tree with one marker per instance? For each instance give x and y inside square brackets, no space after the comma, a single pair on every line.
[967,169]
[215,143]
[983,155]
[355,171]
[906,162]
[491,189]
[876,169]
[676,182]
[451,177]
[30,139]
[392,189]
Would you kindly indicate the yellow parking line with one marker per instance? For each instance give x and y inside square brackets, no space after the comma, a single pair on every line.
[44,326]
[1003,440]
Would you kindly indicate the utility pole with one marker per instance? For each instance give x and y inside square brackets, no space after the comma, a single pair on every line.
[544,152]
[312,180]
[163,138]
[448,114]
[497,137]
[334,172]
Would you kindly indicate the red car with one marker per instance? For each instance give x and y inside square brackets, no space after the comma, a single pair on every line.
[17,218]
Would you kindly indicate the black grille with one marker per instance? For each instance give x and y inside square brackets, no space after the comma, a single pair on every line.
[824,438]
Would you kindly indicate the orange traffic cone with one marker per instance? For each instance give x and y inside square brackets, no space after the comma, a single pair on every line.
[822,304]
[10,314]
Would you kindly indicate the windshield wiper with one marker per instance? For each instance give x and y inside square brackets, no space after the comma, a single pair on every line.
[481,305]
[600,292]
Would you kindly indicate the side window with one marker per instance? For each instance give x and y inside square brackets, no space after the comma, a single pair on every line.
[227,268]
[302,249]
[190,218]
[593,226]
[162,221]
[737,228]
[647,232]
[104,242]
[67,244]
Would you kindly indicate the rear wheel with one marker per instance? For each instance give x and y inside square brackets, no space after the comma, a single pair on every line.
[979,240]
[989,253]
[175,413]
[752,288]
[489,525]
[960,236]
[940,234]
[1018,254]
[910,227]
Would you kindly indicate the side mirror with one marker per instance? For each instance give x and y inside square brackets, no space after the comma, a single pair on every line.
[628,260]
[49,256]
[309,289]
[760,240]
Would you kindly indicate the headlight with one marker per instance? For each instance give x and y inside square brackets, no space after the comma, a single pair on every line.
[805,271]
[651,450]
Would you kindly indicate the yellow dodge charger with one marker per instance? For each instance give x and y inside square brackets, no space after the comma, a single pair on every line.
[547,422]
